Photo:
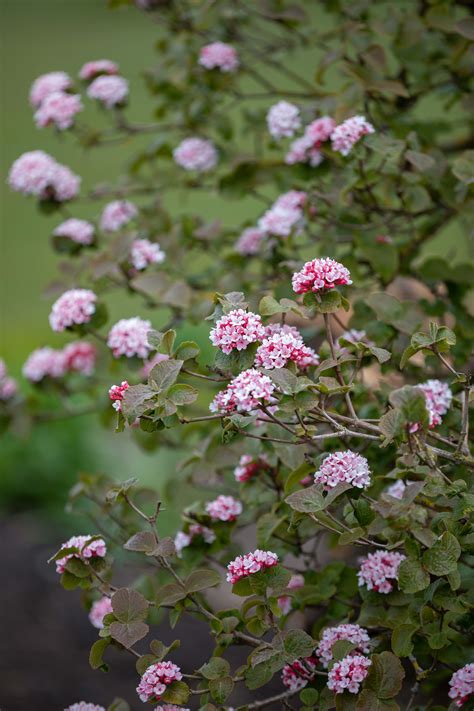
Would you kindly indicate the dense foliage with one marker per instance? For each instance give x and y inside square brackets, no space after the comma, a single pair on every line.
[330,429]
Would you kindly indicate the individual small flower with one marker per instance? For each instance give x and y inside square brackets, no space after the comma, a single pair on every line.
[116,214]
[250,241]
[283,119]
[87,548]
[219,55]
[237,330]
[379,569]
[37,173]
[44,362]
[80,357]
[462,685]
[224,508]
[150,364]
[84,706]
[156,678]
[74,308]
[116,394]
[184,539]
[109,90]
[59,109]
[284,601]
[245,565]
[397,489]
[279,348]
[91,70]
[438,400]
[129,337]
[79,231]
[195,154]
[347,466]
[143,252]
[320,274]
[349,632]
[249,467]
[346,135]
[296,675]
[100,608]
[245,393]
[48,84]
[348,674]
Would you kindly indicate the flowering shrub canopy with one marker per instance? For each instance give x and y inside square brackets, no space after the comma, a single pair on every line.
[328,434]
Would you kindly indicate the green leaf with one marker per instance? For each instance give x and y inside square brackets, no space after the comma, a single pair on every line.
[297,643]
[442,558]
[420,161]
[215,668]
[412,577]
[385,675]
[368,701]
[169,594]
[118,705]
[97,652]
[187,350]
[307,500]
[181,394]
[463,167]
[141,542]
[163,375]
[221,688]
[402,644]
[137,399]
[129,605]
[201,580]
[160,650]
[128,633]
[269,306]
[465,27]
[309,696]
[176,693]
[284,379]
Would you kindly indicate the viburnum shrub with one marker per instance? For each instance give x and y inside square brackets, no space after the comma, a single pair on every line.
[328,436]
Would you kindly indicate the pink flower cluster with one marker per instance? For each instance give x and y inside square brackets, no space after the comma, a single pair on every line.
[109,90]
[195,154]
[224,508]
[249,467]
[379,569]
[143,252]
[307,148]
[296,675]
[76,357]
[245,393]
[58,109]
[116,393]
[219,55]
[284,601]
[79,357]
[438,400]
[347,466]
[250,241]
[100,608]
[156,678]
[245,565]
[279,348]
[116,214]
[184,539]
[86,548]
[352,633]
[37,173]
[283,119]
[462,685]
[237,330]
[129,337]
[47,84]
[8,385]
[74,308]
[284,214]
[84,706]
[348,133]
[320,274]
[397,489]
[91,70]
[348,674]
[79,231]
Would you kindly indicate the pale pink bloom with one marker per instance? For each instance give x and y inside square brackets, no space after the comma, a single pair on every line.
[129,337]
[184,539]
[237,330]
[279,348]
[245,393]
[354,336]
[307,148]
[349,632]
[195,154]
[320,130]
[44,362]
[249,467]
[279,221]
[150,364]
[348,467]
[116,214]
[292,200]
[3,369]
[74,308]
[100,608]
[296,675]
[59,109]
[462,684]
[37,173]
[349,132]
[224,508]
[47,84]
[250,241]
[109,90]
[396,490]
[273,328]
[379,569]
[438,400]
[348,674]
[320,274]
[80,357]
[298,152]
[284,601]
[8,388]
[143,252]
[91,70]
[79,231]
[283,119]
[250,563]
[116,393]
[84,706]
[86,549]
[65,184]
[219,55]
[156,678]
